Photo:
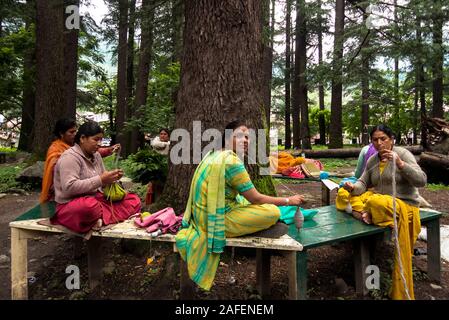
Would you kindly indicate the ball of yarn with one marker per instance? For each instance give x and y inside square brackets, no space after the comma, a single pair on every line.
[324,175]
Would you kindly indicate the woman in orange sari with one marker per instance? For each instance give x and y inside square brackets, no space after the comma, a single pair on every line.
[65,131]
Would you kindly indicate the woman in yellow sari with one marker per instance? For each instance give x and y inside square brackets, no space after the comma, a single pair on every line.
[223,202]
[376,206]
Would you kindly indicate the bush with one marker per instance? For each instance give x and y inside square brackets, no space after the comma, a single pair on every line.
[8,177]
[146,165]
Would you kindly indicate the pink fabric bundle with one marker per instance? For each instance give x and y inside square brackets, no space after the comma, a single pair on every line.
[165,220]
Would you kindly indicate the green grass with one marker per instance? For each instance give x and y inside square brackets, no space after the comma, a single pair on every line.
[8,176]
[437,187]
[335,163]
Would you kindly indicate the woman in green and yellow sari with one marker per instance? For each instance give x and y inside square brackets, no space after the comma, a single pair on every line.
[223,202]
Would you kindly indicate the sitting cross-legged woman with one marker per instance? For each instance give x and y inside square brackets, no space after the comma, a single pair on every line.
[79,178]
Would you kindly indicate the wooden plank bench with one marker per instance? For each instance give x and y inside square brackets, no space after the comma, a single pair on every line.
[26,226]
[331,226]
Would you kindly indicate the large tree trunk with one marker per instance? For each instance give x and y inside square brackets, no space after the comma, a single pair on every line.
[365,74]
[397,105]
[296,92]
[335,128]
[288,132]
[419,65]
[143,68]
[221,77]
[437,68]
[122,77]
[70,63]
[436,167]
[49,72]
[177,22]
[130,110]
[267,58]
[321,119]
[301,55]
[29,93]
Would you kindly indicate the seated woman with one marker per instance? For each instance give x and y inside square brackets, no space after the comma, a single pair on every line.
[78,179]
[65,131]
[161,143]
[216,209]
[376,206]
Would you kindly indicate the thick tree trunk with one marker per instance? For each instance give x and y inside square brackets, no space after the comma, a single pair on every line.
[177,22]
[397,106]
[301,55]
[321,119]
[296,92]
[70,63]
[288,132]
[221,78]
[437,68]
[143,68]
[436,167]
[122,77]
[130,110]
[49,72]
[267,60]
[29,93]
[365,74]
[335,128]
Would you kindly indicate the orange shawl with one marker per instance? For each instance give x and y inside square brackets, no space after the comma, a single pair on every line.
[54,152]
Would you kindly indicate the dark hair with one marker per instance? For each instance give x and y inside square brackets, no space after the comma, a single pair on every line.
[62,125]
[231,126]
[166,130]
[88,129]
[384,129]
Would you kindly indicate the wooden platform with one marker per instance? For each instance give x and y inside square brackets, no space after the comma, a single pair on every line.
[27,226]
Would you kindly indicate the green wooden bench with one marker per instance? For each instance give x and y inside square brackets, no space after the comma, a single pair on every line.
[331,226]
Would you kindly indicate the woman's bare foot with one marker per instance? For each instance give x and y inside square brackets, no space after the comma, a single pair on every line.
[98,225]
[366,217]
[357,215]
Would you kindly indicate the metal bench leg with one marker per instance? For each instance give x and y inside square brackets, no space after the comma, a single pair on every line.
[263,272]
[361,261]
[433,250]
[301,274]
[94,261]
[19,265]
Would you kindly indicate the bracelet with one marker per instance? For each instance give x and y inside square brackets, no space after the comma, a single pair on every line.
[286,201]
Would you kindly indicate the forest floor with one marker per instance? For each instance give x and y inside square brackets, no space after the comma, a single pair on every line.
[127,275]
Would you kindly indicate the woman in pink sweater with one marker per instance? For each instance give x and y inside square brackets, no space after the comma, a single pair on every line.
[79,178]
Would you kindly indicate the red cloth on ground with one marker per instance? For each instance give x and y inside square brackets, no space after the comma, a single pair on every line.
[81,214]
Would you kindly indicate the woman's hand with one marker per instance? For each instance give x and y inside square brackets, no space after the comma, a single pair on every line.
[348,186]
[387,155]
[116,147]
[295,200]
[109,177]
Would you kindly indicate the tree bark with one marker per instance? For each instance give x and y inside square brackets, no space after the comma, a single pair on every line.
[49,72]
[70,63]
[437,67]
[365,74]
[221,77]
[321,119]
[436,167]
[29,92]
[301,55]
[335,128]
[122,77]
[396,112]
[177,22]
[288,132]
[130,110]
[143,70]
[267,59]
